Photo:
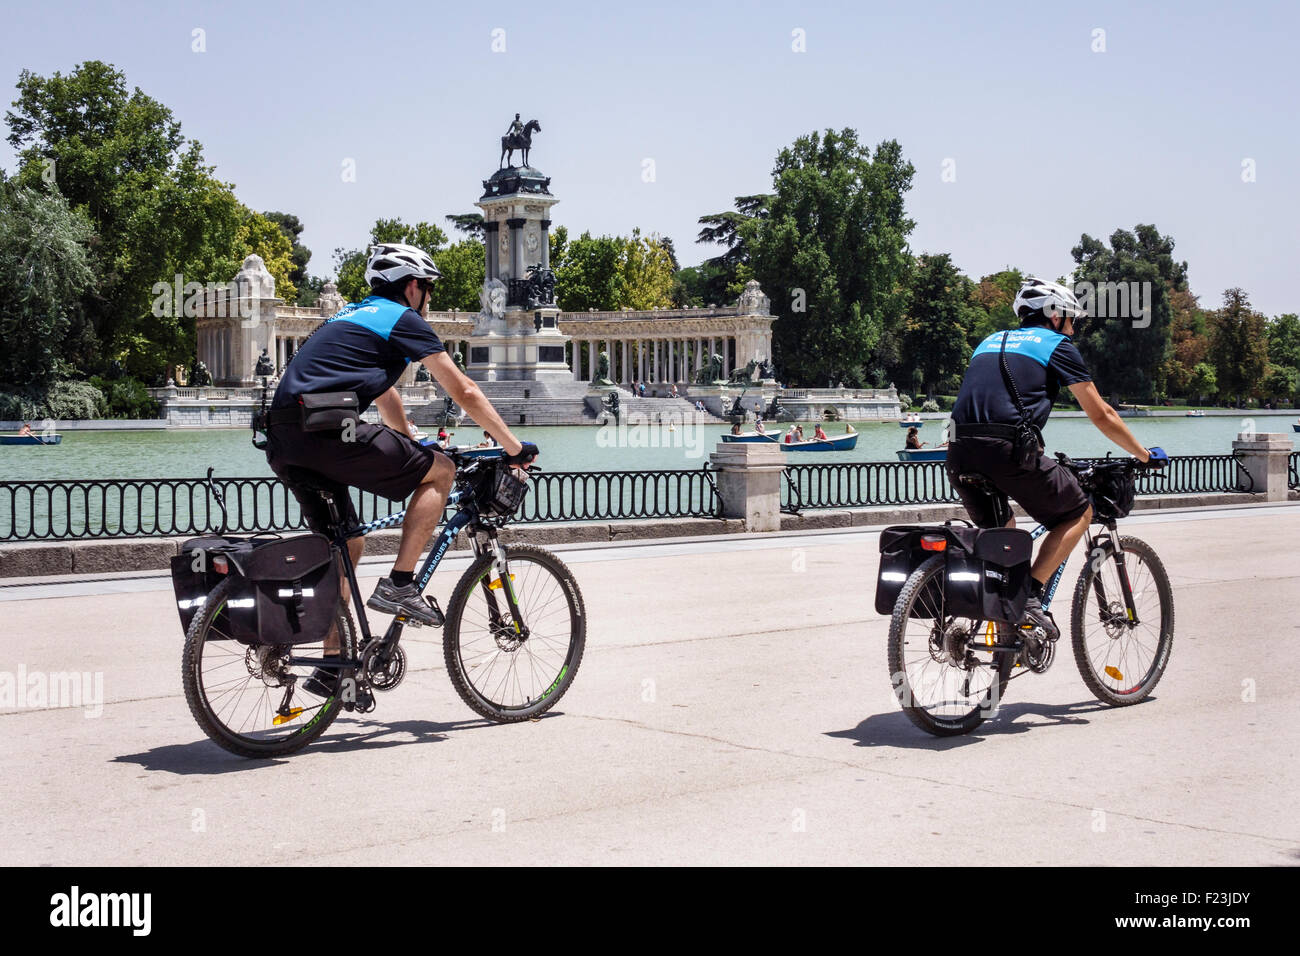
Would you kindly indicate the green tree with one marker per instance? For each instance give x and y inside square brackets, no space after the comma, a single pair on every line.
[1284,340]
[992,298]
[832,253]
[45,272]
[1127,354]
[645,273]
[292,228]
[469,223]
[933,333]
[350,264]
[1189,342]
[156,208]
[587,271]
[1239,346]
[463,266]
[1204,382]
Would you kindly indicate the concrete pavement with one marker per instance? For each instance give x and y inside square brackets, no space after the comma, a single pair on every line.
[733,706]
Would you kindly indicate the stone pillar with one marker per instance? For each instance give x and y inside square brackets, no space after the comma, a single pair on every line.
[591,360]
[1263,457]
[574,352]
[516,248]
[546,243]
[492,246]
[726,357]
[625,376]
[640,359]
[749,483]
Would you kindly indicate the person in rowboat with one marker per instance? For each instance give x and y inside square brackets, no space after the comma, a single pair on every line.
[819,434]
[914,439]
[26,430]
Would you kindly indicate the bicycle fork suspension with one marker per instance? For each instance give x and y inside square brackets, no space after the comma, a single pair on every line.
[505,583]
[1096,553]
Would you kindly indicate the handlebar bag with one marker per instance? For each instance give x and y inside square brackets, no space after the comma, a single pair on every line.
[986,573]
[288,591]
[1113,492]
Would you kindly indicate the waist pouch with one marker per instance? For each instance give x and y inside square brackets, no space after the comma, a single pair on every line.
[1026,444]
[287,592]
[329,411]
[986,573]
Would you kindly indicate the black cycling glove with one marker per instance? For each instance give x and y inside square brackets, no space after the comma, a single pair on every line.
[526,454]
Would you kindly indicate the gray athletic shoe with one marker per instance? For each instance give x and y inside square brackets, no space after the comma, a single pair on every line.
[406,601]
[1037,616]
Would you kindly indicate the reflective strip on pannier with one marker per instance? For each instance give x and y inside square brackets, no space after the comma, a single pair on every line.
[288,592]
[986,573]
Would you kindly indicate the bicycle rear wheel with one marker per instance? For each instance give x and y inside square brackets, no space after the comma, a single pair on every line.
[235,691]
[499,675]
[1120,662]
[943,686]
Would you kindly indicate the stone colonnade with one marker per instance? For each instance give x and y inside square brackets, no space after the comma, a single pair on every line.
[651,359]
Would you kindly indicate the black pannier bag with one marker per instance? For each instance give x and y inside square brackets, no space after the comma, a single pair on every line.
[902,552]
[986,573]
[202,564]
[288,591]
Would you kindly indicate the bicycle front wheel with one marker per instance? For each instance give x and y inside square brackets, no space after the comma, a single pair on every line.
[943,684]
[507,673]
[1120,661]
[249,698]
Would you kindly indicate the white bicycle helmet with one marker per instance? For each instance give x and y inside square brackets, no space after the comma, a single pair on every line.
[1038,300]
[394,261]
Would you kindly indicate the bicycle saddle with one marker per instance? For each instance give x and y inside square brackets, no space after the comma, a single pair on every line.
[308,480]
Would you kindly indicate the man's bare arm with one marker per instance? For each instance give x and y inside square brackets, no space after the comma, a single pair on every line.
[392,411]
[468,396]
[1107,419]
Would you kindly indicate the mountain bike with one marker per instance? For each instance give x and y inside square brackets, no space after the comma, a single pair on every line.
[951,672]
[513,633]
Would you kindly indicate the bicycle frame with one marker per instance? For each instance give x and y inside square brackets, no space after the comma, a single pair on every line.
[441,544]
[1092,545]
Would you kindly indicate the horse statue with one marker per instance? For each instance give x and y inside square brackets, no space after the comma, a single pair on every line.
[521,141]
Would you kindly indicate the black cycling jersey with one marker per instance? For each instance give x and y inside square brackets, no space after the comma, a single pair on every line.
[1040,362]
[363,349]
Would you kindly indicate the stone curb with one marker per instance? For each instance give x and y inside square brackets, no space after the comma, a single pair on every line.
[151,554]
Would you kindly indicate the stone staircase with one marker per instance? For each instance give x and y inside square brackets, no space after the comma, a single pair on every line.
[566,403]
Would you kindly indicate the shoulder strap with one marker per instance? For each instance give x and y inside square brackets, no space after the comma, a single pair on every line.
[1009,381]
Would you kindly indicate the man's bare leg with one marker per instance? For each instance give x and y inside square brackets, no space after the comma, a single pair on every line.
[423,513]
[355,547]
[1057,545]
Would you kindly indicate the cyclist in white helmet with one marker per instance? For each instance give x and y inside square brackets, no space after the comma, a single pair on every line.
[364,349]
[1039,358]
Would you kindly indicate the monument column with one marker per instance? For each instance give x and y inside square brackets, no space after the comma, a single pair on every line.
[492,246]
[546,243]
[516,248]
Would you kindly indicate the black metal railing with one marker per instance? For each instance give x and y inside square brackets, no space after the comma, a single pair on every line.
[57,510]
[876,483]
[54,510]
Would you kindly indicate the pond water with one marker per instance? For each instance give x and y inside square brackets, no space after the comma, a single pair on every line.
[188,453]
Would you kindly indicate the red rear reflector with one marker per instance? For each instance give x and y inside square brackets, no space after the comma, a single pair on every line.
[933,542]
[219,565]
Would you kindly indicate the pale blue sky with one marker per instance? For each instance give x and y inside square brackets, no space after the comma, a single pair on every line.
[1049,138]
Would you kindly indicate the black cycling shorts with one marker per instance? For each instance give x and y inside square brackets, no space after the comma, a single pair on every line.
[1049,493]
[380,460]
